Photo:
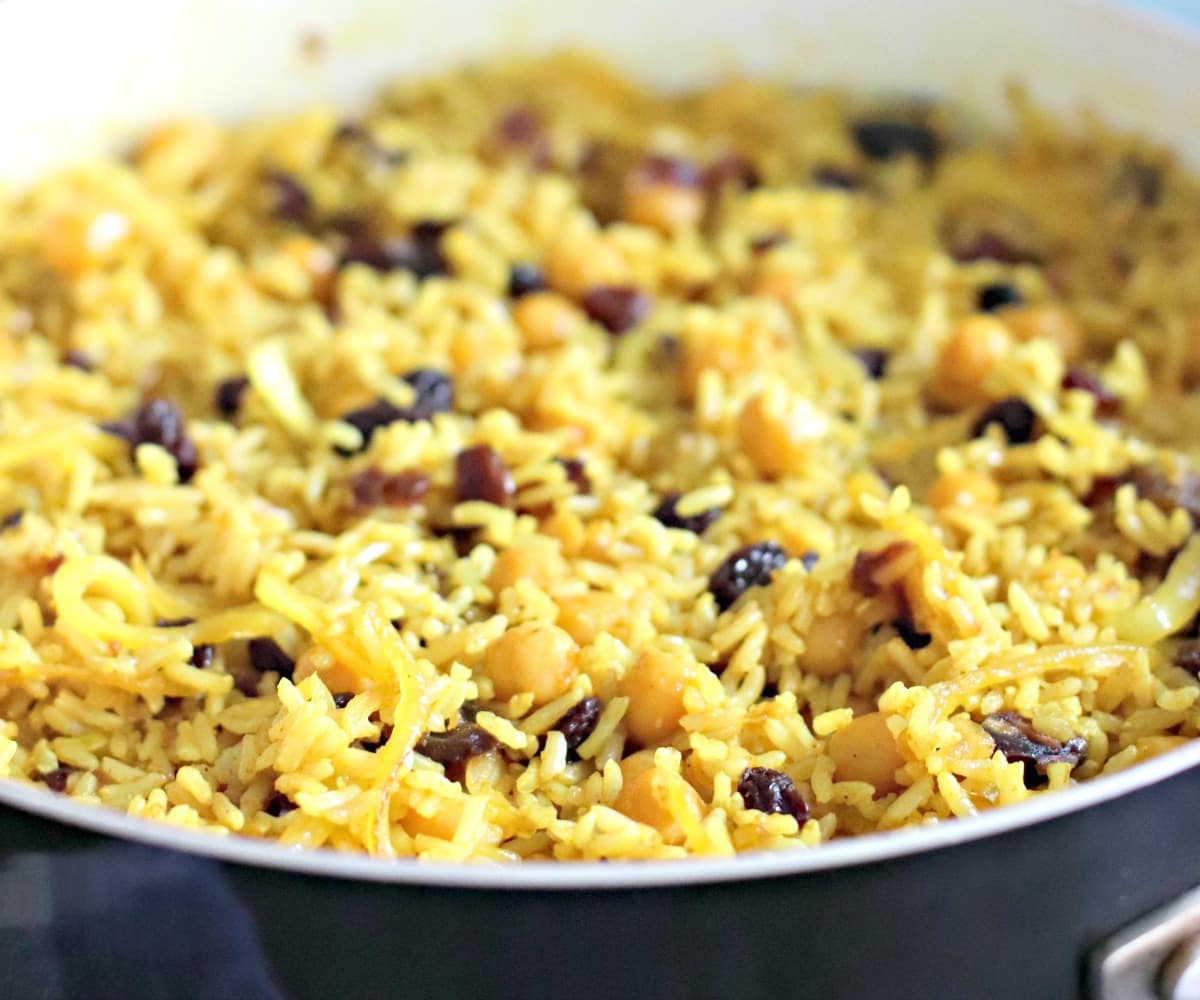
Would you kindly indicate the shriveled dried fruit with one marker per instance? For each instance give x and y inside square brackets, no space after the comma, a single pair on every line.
[579,722]
[525,279]
[888,138]
[266,655]
[1013,415]
[667,514]
[229,393]
[480,474]
[290,200]
[873,571]
[1108,404]
[160,422]
[874,361]
[577,475]
[1016,738]
[747,567]
[998,295]
[372,487]
[456,746]
[616,308]
[434,393]
[772,791]
[56,780]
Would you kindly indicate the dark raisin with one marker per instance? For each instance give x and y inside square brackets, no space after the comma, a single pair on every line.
[668,171]
[525,279]
[433,391]
[1167,492]
[886,139]
[266,655]
[12,520]
[202,655]
[385,734]
[420,252]
[290,200]
[1187,656]
[480,474]
[1107,403]
[519,126]
[870,567]
[159,421]
[1015,417]
[56,780]
[78,359]
[809,560]
[1140,180]
[456,746]
[667,514]
[761,244]
[374,488]
[731,170]
[873,359]
[992,246]
[577,475]
[342,699]
[615,307]
[998,295]
[833,176]
[278,805]
[771,791]
[913,637]
[1016,738]
[229,393]
[579,722]
[352,133]
[749,566]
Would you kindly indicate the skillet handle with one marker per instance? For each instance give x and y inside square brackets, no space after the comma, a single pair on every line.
[1156,958]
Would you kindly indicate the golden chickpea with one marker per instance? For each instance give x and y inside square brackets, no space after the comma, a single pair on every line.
[780,285]
[586,615]
[1048,322]
[643,798]
[831,643]
[964,489]
[538,563]
[866,750]
[778,441]
[73,242]
[654,686]
[967,358]
[544,319]
[730,349]
[574,264]
[662,206]
[475,344]
[532,657]
[568,528]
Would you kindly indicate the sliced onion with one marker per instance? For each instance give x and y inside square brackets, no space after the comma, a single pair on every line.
[1170,607]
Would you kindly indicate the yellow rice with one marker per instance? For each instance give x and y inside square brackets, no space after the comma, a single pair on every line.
[167,272]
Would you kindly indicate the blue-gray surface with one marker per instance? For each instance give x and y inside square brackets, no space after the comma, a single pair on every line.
[1187,9]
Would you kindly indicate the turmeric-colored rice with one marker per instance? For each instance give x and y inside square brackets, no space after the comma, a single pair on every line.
[948,378]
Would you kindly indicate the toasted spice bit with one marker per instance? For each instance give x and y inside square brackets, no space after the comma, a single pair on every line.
[1016,418]
[480,474]
[886,139]
[12,520]
[668,515]
[278,805]
[229,393]
[160,422]
[342,699]
[1108,404]
[731,170]
[56,780]
[434,394]
[998,295]
[744,568]
[835,177]
[525,279]
[771,791]
[873,359]
[577,475]
[373,487]
[579,722]
[456,746]
[1016,738]
[78,359]
[873,571]
[266,656]
[616,308]
[291,201]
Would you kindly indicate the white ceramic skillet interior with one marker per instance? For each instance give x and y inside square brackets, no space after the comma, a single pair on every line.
[77,77]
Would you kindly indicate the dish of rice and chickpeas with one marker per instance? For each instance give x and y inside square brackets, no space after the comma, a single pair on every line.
[540,467]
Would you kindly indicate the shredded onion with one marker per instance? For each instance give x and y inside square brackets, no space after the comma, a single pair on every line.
[1174,603]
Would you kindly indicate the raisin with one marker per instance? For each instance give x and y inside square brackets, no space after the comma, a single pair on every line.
[1016,738]
[835,177]
[354,134]
[808,560]
[456,746]
[731,170]
[667,514]
[229,393]
[56,780]
[616,308]
[419,252]
[886,139]
[160,422]
[913,637]
[1167,492]
[12,520]
[202,655]
[290,200]
[374,488]
[990,245]
[873,359]
[1141,180]
[579,722]
[434,393]
[278,805]
[668,171]
[78,359]
[996,296]
[577,475]
[1016,418]
[1187,657]
[769,241]
[266,655]
[747,567]
[480,474]
[342,699]
[869,567]
[1108,404]
[525,279]
[771,791]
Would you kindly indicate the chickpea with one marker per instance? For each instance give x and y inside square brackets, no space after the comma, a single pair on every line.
[831,643]
[568,528]
[73,242]
[730,349]
[665,207]
[1049,322]
[964,489]
[781,285]
[574,264]
[538,563]
[967,358]
[655,686]
[866,750]
[778,442]
[474,343]
[643,798]
[532,657]
[544,319]
[586,615]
